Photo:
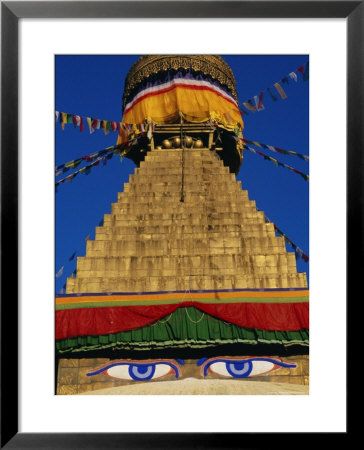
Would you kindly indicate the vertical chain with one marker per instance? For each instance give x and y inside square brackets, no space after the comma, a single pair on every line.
[183,162]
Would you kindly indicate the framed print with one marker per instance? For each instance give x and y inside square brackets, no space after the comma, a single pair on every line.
[117,328]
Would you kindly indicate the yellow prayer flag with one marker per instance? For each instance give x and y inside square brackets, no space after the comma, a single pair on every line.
[64,120]
[89,123]
[280,91]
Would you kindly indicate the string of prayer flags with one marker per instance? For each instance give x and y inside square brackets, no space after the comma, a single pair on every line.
[277,163]
[107,126]
[257,105]
[107,153]
[298,252]
[276,149]
[86,170]
[121,149]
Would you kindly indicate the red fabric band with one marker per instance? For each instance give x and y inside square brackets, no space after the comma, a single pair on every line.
[98,321]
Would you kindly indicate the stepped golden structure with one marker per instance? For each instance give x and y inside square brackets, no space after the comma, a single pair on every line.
[185,278]
[215,239]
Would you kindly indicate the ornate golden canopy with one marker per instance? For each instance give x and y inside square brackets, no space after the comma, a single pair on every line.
[147,65]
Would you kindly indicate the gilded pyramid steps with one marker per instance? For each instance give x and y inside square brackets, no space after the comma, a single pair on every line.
[186,282]
[214,239]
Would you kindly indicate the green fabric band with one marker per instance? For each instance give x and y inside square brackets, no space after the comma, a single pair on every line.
[185,327]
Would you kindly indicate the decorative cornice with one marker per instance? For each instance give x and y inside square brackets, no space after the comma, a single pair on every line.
[212,65]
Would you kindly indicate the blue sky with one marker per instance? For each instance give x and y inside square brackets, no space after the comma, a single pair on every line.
[93,86]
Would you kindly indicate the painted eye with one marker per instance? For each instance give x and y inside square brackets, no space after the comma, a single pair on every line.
[241,367]
[138,371]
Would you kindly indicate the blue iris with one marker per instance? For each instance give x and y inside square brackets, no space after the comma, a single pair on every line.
[141,371]
[239,369]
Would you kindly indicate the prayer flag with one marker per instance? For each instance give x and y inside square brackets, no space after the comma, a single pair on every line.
[60,272]
[76,163]
[106,131]
[72,256]
[306,72]
[64,120]
[57,116]
[249,107]
[301,69]
[293,76]
[260,104]
[242,111]
[96,124]
[280,91]
[89,122]
[82,126]
[75,120]
[271,94]
[259,101]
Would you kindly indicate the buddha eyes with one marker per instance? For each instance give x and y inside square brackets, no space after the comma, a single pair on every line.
[240,367]
[138,371]
[223,366]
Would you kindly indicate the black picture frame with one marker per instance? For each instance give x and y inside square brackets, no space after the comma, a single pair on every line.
[11,12]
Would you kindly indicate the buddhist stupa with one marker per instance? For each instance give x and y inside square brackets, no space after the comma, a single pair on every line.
[185,272]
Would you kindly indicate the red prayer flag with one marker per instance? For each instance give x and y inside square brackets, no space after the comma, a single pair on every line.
[301,69]
[260,104]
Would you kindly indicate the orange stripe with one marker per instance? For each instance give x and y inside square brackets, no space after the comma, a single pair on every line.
[180,296]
